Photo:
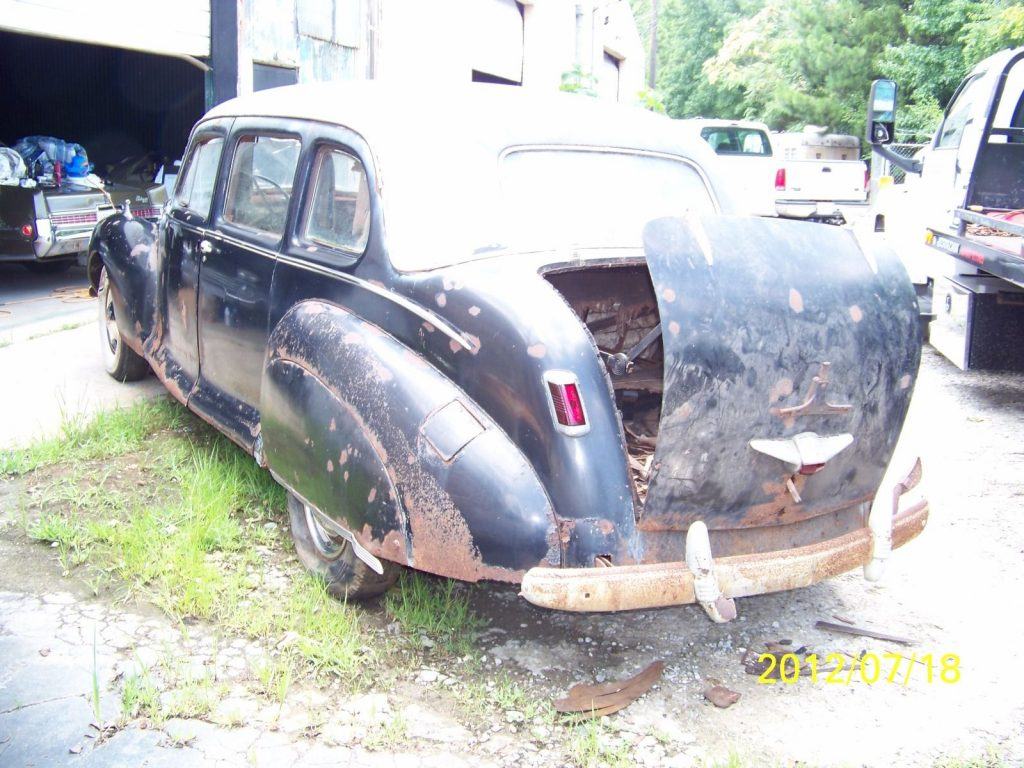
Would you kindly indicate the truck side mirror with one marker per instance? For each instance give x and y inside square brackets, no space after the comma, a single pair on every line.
[881,127]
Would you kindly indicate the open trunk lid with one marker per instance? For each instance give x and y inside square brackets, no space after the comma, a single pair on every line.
[789,357]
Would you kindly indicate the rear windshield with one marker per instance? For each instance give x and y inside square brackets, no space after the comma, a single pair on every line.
[465,208]
[731,140]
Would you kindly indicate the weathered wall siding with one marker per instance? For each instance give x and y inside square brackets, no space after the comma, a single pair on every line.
[154,26]
[306,34]
[320,61]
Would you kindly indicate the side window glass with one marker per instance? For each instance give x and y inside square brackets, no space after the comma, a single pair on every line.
[338,211]
[260,183]
[195,190]
[960,113]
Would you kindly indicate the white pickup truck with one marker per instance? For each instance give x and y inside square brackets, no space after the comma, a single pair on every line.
[800,176]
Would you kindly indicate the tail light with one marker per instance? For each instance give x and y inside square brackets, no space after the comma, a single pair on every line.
[566,403]
[780,180]
[27,231]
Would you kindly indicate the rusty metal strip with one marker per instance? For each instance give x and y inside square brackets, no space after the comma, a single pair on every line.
[628,587]
[606,698]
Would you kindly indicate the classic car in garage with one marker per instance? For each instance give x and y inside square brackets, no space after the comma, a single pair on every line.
[522,338]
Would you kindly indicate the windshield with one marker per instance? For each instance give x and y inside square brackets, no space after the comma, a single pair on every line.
[731,140]
[540,199]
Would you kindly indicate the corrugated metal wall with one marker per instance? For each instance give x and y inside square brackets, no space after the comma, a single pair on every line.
[114,102]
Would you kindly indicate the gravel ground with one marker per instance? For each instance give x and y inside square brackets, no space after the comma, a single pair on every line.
[955,590]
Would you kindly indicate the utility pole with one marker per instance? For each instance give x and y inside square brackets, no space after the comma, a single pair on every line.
[652,66]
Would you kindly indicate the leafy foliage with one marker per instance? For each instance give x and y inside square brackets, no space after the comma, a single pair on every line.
[794,63]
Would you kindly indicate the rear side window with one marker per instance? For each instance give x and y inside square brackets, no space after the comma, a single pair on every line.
[338,213]
[730,140]
[195,191]
[960,113]
[260,183]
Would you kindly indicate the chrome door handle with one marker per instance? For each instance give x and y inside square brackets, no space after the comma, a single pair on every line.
[205,248]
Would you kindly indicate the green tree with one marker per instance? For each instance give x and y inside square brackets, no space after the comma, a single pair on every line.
[801,62]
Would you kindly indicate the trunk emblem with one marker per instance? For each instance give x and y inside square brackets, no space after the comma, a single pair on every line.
[805,453]
[809,407]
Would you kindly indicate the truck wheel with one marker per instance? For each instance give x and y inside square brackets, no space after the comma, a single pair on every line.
[48,267]
[333,559]
[119,359]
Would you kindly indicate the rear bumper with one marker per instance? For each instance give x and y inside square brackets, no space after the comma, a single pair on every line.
[628,587]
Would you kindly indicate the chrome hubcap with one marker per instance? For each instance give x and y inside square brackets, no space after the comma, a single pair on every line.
[109,321]
[329,547]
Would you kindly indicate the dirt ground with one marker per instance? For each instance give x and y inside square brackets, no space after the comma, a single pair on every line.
[955,590]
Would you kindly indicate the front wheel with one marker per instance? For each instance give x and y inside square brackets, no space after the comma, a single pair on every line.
[120,360]
[333,559]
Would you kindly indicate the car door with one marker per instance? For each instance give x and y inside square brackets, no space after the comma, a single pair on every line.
[237,267]
[176,355]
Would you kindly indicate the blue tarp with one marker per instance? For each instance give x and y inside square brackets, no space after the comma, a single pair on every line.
[47,150]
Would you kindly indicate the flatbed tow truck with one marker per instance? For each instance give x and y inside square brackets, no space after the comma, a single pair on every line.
[971,200]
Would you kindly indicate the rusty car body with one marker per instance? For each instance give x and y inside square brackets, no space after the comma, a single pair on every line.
[530,344]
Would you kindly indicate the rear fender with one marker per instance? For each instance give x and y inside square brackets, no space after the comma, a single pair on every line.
[383,443]
[127,247]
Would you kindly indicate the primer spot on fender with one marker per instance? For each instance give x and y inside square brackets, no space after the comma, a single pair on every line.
[668,295]
[796,301]
[474,310]
[537,350]
[441,299]
[905,381]
[856,314]
[673,328]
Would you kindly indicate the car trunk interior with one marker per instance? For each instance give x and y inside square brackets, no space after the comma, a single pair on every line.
[619,308]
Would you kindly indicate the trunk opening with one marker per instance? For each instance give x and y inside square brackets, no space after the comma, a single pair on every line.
[618,306]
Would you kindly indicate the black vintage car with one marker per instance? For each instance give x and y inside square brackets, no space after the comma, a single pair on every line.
[495,335]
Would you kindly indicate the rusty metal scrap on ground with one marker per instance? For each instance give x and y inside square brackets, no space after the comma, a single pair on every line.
[862,632]
[605,698]
[721,696]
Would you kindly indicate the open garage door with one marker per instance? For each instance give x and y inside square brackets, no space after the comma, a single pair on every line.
[154,26]
[116,103]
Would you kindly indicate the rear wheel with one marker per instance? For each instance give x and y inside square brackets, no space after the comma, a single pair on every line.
[333,559]
[119,359]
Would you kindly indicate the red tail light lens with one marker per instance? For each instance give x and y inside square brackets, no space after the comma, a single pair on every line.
[780,180]
[568,406]
[26,230]
[566,402]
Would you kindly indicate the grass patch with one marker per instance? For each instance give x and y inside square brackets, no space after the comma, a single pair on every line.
[390,735]
[593,744]
[991,759]
[108,434]
[436,608]
[140,697]
[162,504]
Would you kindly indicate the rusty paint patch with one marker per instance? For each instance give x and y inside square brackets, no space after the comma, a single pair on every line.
[796,301]
[607,527]
[474,310]
[441,299]
[783,388]
[673,328]
[333,425]
[905,381]
[669,295]
[538,351]
[372,495]
[345,476]
[428,327]
[454,346]
[856,314]
[330,465]
[342,457]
